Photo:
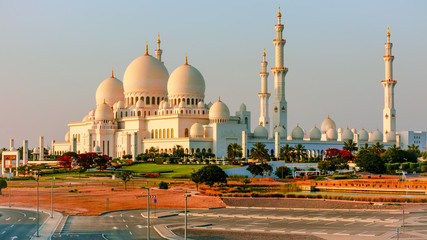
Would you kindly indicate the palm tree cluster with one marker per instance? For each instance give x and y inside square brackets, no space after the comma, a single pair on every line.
[288,152]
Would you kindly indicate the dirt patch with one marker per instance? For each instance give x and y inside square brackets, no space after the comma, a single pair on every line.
[90,200]
[229,235]
[315,203]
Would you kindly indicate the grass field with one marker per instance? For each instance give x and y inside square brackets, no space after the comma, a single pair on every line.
[178,170]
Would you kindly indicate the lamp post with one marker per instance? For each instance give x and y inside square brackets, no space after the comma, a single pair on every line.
[148,211]
[185,232]
[38,215]
[51,198]
[8,186]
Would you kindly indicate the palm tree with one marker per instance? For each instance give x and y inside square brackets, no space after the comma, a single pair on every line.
[259,152]
[152,152]
[365,147]
[377,147]
[394,147]
[178,151]
[234,150]
[414,148]
[286,152]
[300,151]
[350,146]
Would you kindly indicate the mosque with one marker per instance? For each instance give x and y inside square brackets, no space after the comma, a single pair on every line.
[152,108]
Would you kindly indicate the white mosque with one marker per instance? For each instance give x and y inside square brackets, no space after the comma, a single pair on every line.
[152,108]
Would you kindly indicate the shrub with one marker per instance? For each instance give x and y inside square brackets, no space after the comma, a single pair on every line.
[339,176]
[405,166]
[75,190]
[413,165]
[163,185]
[423,168]
[237,176]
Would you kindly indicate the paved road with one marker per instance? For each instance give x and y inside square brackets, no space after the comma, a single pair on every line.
[327,224]
[18,224]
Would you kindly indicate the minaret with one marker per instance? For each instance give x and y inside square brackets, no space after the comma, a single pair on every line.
[264,95]
[279,104]
[389,113]
[158,51]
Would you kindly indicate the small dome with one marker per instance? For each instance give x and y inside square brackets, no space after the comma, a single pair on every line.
[297,133]
[219,112]
[260,132]
[146,74]
[120,105]
[315,134]
[110,90]
[85,118]
[104,113]
[186,81]
[332,134]
[327,124]
[363,135]
[242,107]
[354,131]
[289,138]
[67,137]
[196,130]
[377,136]
[139,104]
[390,136]
[36,150]
[200,104]
[280,130]
[347,135]
[339,130]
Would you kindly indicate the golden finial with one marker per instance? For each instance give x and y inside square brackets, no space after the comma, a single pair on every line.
[315,126]
[263,54]
[388,31]
[158,38]
[297,125]
[328,116]
[146,48]
[104,100]
[219,98]
[112,72]
[186,59]
[279,15]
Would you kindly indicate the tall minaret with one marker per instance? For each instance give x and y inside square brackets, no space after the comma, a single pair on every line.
[264,95]
[279,104]
[158,51]
[389,113]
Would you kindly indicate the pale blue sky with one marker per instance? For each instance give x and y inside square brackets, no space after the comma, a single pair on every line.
[55,53]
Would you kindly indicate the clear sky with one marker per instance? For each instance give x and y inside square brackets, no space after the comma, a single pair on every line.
[54,54]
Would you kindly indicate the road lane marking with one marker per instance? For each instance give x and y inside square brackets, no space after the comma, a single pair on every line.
[114,228]
[237,229]
[131,215]
[32,218]
[319,233]
[3,232]
[127,226]
[14,237]
[295,221]
[7,219]
[130,233]
[218,228]
[330,223]
[139,226]
[349,223]
[124,220]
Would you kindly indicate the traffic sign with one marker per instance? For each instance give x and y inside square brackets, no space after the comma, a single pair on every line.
[155,200]
[153,196]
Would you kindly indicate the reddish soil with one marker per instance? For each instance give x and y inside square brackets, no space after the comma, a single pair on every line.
[90,200]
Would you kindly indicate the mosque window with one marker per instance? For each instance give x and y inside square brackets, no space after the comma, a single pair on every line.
[283,108]
[179,101]
[157,134]
[203,112]
[153,100]
[126,114]
[152,133]
[121,114]
[192,101]
[139,113]
[148,113]
[186,132]
[275,109]
[158,100]
[172,133]
[155,112]
[168,133]
[164,133]
[136,99]
[203,150]
[188,101]
[182,111]
[147,100]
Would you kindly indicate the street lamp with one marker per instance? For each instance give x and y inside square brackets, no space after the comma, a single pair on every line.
[148,211]
[51,198]
[185,232]
[8,186]
[38,215]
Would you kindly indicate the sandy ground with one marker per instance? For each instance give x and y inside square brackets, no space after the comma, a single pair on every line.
[90,200]
[228,235]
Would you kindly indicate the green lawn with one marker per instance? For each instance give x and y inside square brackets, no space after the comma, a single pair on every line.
[178,170]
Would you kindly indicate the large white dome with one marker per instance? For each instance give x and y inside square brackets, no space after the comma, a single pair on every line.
[219,112]
[146,74]
[377,136]
[315,134]
[67,137]
[186,81]
[104,113]
[363,135]
[332,134]
[297,133]
[260,132]
[196,130]
[327,124]
[347,135]
[390,136]
[110,90]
